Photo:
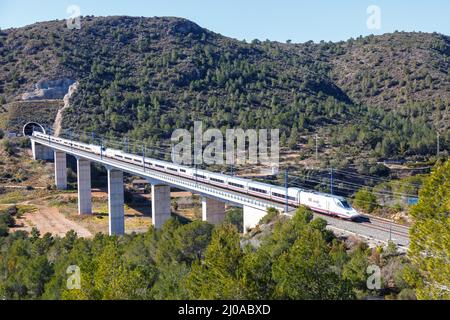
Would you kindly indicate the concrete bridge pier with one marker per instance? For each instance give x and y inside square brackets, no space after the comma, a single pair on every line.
[60,170]
[84,186]
[41,152]
[252,216]
[115,202]
[160,204]
[213,210]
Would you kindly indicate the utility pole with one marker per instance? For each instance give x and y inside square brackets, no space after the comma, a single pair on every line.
[143,157]
[70,137]
[317,148]
[126,144]
[286,207]
[196,182]
[437,145]
[331,181]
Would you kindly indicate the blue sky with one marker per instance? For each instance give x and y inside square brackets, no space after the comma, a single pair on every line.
[279,20]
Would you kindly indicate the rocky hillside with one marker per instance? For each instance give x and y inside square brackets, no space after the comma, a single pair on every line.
[144,77]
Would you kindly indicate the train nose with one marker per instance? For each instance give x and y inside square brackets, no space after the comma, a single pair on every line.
[354,215]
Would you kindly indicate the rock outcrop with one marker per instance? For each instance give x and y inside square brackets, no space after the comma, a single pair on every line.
[58,119]
[47,89]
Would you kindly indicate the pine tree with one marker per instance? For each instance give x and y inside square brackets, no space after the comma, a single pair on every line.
[429,249]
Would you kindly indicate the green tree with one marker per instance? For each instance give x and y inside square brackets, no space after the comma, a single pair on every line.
[365,200]
[306,270]
[8,146]
[355,270]
[429,249]
[235,216]
[293,138]
[217,276]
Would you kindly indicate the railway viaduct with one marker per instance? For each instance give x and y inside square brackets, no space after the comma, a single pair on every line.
[214,198]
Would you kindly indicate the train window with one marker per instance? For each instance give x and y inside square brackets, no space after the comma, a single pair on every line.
[216,180]
[279,195]
[172,169]
[258,190]
[126,158]
[159,166]
[135,160]
[236,185]
[182,170]
[199,176]
[343,204]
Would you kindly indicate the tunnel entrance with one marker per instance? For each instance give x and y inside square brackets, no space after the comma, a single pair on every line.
[32,126]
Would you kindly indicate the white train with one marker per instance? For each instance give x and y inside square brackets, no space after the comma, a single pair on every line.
[316,201]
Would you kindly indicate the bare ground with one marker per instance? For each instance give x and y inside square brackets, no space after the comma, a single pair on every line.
[58,220]
[49,219]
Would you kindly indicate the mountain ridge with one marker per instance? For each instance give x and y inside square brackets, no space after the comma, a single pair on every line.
[143,77]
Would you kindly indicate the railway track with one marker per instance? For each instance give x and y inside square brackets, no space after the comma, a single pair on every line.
[371,227]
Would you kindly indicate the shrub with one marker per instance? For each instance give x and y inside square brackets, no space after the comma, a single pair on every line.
[380,170]
[272,213]
[8,147]
[365,200]
[235,217]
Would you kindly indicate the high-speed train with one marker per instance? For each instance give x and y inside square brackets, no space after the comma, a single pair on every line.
[316,201]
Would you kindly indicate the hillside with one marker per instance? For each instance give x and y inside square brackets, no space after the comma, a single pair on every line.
[144,77]
[15,114]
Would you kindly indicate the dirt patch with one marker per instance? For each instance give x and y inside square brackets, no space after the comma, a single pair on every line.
[51,220]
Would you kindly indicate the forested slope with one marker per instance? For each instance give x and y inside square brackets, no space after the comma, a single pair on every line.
[144,77]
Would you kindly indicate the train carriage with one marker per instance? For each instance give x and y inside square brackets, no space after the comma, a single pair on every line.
[279,194]
[237,184]
[259,189]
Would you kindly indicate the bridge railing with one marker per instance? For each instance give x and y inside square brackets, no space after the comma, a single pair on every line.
[213,191]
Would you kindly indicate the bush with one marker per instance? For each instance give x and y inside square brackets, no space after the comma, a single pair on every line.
[407,294]
[235,217]
[3,230]
[380,170]
[25,143]
[8,146]
[365,200]
[7,217]
[2,134]
[272,213]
